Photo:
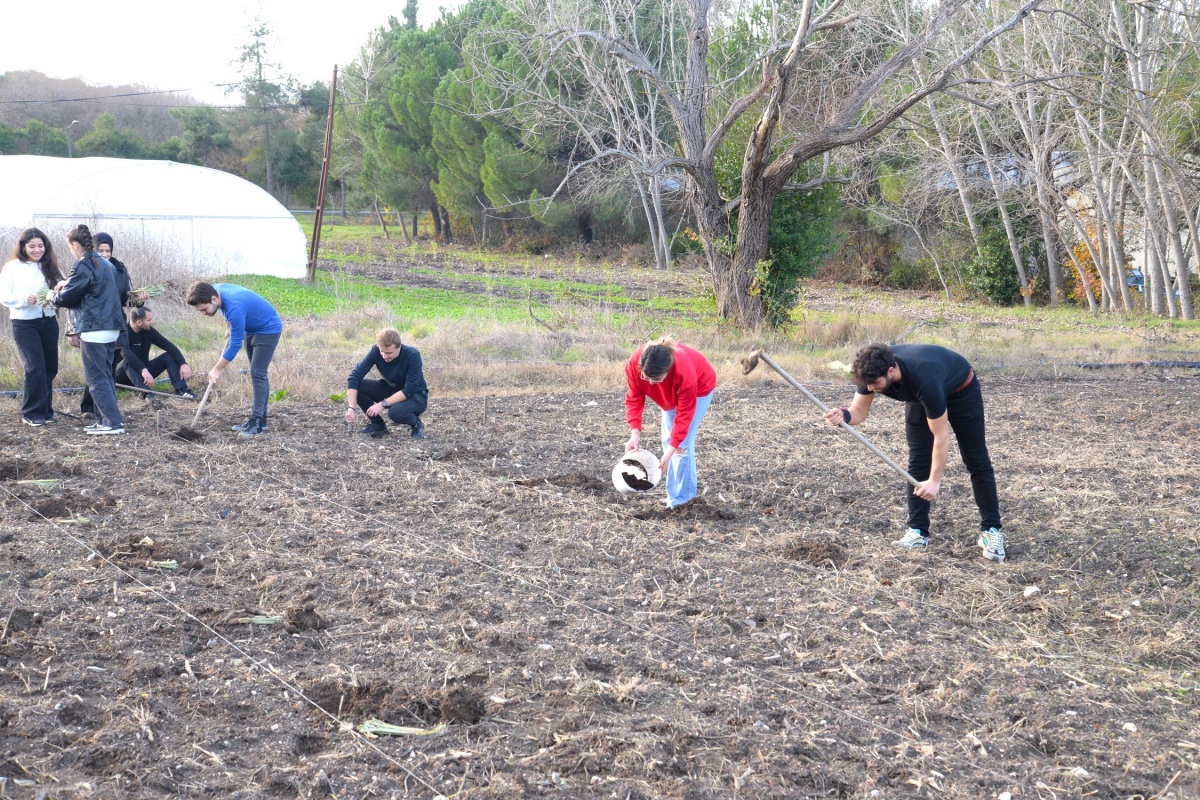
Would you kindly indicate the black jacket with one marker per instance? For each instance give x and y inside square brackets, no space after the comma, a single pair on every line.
[93,296]
[403,373]
[137,351]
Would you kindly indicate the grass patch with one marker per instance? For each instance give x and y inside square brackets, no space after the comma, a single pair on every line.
[332,294]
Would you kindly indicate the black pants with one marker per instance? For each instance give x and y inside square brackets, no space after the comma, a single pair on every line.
[406,412]
[123,372]
[37,345]
[965,414]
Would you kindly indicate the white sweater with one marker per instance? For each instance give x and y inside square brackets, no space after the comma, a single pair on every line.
[18,280]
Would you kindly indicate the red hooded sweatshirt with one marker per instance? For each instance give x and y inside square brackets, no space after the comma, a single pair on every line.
[691,376]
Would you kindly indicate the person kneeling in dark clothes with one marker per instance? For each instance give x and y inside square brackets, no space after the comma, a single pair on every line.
[140,368]
[402,394]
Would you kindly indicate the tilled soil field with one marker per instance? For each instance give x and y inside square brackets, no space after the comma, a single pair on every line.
[216,618]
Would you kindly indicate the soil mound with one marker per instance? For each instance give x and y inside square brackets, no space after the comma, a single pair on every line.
[693,510]
[821,554]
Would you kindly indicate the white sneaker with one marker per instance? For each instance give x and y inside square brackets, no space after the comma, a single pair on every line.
[912,538]
[992,542]
[105,430]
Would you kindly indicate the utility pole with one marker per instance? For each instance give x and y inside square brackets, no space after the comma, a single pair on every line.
[319,216]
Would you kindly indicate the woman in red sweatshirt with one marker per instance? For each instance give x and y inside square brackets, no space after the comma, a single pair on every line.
[681,382]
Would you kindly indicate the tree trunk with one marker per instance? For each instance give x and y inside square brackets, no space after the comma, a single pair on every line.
[1049,241]
[437,222]
[754,220]
[416,215]
[342,201]
[441,211]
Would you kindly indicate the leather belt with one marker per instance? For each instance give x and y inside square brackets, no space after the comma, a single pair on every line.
[966,383]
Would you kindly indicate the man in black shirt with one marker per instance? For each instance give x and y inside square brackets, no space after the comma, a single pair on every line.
[941,394]
[402,394]
[136,364]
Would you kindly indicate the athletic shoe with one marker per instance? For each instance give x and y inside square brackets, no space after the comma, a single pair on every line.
[376,429]
[992,542]
[105,430]
[912,538]
[253,428]
[87,414]
[418,430]
[246,424]
[33,423]
[185,394]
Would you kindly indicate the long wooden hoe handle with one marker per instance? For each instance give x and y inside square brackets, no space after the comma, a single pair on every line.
[203,402]
[783,374]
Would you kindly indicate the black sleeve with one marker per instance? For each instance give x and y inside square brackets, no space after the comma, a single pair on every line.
[166,345]
[77,285]
[131,356]
[360,372]
[414,376]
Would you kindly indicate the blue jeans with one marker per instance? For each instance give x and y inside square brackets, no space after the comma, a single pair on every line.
[681,472]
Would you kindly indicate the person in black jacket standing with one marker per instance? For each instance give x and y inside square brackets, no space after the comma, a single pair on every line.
[139,367]
[103,243]
[94,299]
[402,394]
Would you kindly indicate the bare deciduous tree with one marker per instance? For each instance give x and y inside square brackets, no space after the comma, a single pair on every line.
[818,78]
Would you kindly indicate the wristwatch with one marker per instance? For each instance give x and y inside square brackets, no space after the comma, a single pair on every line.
[385,403]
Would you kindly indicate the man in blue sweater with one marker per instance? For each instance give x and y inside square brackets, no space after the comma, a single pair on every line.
[401,395]
[252,320]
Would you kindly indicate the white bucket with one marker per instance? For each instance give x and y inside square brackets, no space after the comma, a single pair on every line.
[636,472]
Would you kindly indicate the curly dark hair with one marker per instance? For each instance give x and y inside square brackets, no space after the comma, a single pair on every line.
[872,363]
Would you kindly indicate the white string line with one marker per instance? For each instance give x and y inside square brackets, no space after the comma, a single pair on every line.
[745,671]
[267,668]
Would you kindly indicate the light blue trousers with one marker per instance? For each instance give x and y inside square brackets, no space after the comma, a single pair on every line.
[681,472]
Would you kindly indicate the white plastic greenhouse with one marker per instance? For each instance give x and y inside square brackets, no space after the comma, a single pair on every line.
[190,220]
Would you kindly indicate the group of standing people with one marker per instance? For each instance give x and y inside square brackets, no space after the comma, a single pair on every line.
[95,293]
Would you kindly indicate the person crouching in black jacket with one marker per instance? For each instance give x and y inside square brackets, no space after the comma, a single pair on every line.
[139,367]
[402,394]
[91,294]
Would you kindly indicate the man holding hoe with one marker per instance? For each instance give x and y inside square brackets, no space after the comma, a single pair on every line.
[941,394]
[255,322]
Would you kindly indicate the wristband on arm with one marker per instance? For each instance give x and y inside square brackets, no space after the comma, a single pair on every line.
[845,414]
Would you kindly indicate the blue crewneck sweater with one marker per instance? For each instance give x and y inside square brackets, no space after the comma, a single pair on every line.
[247,314]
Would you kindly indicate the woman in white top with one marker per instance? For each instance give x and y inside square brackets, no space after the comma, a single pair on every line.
[35,328]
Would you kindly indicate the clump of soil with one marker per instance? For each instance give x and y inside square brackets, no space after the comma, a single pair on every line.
[575,480]
[303,618]
[68,505]
[21,619]
[29,469]
[693,510]
[188,434]
[816,553]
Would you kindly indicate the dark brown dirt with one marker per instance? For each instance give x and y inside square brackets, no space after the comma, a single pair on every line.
[765,640]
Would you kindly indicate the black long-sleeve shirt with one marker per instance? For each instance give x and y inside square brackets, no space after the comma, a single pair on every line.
[137,353]
[403,372]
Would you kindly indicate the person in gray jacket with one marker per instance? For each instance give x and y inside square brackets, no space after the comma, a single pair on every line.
[93,298]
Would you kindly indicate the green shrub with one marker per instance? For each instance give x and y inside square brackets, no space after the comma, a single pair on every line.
[991,270]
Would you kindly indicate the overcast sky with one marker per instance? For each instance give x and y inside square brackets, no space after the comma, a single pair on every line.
[165,45]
